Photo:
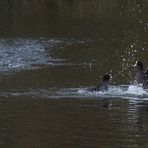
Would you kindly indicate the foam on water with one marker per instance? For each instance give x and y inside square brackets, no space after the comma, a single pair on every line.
[136,90]
[123,91]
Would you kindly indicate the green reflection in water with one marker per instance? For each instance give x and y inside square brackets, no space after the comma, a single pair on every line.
[113,19]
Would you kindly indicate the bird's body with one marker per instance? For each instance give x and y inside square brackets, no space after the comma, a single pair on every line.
[141,76]
[103,86]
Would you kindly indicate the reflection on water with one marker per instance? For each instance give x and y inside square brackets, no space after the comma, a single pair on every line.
[111,19]
[67,123]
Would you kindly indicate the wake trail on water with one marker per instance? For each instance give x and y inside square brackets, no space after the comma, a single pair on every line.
[122,91]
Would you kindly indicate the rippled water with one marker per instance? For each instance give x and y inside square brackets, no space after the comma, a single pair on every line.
[131,92]
[44,100]
[21,54]
[51,51]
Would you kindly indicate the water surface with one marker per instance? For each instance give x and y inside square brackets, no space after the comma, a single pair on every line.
[44,101]
[51,52]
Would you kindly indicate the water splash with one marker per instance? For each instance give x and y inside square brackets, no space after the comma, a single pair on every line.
[18,54]
[131,92]
[122,91]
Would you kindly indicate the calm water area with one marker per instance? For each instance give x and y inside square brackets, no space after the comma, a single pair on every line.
[51,51]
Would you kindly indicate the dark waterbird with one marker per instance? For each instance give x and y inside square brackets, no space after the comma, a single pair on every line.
[103,85]
[141,75]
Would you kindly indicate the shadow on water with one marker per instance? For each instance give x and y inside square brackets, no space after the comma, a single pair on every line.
[50,52]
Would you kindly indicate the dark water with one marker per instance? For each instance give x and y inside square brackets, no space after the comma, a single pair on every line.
[50,52]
